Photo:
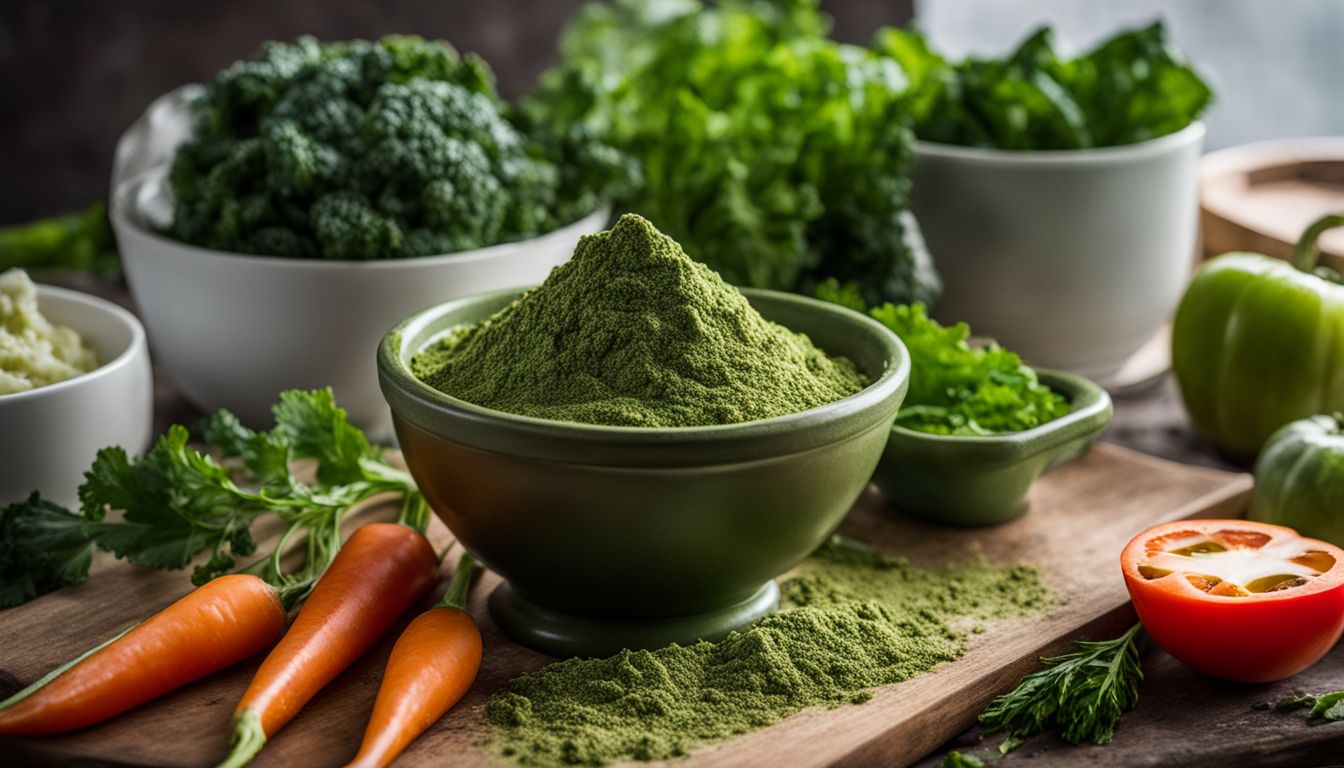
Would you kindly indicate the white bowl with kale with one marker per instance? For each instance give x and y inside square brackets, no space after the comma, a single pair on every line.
[1059,195]
[276,221]
[233,330]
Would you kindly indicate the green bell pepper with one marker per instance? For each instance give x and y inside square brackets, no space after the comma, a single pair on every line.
[1299,479]
[1258,342]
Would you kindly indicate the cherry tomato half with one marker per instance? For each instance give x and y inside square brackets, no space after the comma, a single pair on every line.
[1234,599]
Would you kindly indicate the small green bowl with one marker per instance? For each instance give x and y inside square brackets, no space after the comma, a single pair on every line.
[624,537]
[975,480]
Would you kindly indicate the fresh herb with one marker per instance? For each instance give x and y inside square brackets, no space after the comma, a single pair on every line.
[770,152]
[370,150]
[958,760]
[1328,706]
[1131,88]
[957,389]
[77,241]
[43,547]
[178,501]
[1083,692]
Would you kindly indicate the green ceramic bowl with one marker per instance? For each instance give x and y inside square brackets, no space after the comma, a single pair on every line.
[969,481]
[613,537]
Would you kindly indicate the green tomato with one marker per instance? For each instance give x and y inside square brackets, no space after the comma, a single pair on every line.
[1259,342]
[1299,479]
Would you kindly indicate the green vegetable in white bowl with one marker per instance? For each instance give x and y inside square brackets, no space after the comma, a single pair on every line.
[770,152]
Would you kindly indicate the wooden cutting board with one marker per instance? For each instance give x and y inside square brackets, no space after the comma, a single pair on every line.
[1082,514]
[1259,197]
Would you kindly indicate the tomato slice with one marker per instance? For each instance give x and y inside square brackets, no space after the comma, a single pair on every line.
[1235,599]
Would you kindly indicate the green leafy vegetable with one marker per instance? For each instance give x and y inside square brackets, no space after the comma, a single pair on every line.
[1328,706]
[43,547]
[773,154]
[957,389]
[1084,692]
[367,150]
[178,501]
[959,760]
[1131,88]
[78,241]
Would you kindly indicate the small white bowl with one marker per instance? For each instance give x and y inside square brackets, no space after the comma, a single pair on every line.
[1072,258]
[50,435]
[233,330]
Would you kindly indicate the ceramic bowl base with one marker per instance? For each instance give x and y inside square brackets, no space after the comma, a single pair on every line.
[566,634]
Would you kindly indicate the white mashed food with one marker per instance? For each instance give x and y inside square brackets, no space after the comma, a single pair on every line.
[33,351]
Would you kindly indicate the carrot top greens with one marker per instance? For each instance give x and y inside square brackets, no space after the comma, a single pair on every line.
[178,501]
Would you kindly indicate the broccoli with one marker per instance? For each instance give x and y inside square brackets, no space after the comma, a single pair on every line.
[370,150]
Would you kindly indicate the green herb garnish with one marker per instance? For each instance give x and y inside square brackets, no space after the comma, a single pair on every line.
[955,388]
[178,501]
[959,760]
[1084,693]
[1131,88]
[1328,706]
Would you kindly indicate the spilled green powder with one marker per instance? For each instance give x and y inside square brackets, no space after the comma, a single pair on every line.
[633,332]
[853,621]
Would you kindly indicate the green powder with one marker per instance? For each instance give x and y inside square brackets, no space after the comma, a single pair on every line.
[633,332]
[853,621]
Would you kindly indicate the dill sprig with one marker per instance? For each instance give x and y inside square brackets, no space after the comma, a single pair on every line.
[1083,692]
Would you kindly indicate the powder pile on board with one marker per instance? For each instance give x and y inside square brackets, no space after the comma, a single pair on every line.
[853,620]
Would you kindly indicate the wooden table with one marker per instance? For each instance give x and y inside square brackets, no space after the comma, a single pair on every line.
[1183,719]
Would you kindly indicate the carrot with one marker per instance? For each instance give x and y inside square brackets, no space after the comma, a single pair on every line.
[216,625]
[432,666]
[380,573]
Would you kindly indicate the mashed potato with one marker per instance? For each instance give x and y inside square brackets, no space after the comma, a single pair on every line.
[33,351]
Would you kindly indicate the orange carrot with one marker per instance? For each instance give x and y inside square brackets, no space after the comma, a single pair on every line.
[215,626]
[432,666]
[382,571]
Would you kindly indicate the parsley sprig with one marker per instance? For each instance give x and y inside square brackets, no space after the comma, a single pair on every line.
[178,501]
[1084,692]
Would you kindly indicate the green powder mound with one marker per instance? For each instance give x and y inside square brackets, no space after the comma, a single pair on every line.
[632,332]
[853,621]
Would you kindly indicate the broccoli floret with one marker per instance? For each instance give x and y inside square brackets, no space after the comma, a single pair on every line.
[347,227]
[366,150]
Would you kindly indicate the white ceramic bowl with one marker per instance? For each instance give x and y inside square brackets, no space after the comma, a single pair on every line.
[50,435]
[233,331]
[1072,258]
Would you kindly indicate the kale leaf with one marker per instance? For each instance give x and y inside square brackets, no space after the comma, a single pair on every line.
[1133,87]
[773,154]
[955,388]
[43,547]
[369,150]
